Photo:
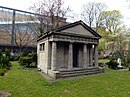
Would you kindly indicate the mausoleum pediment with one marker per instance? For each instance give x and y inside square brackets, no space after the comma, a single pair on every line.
[77,28]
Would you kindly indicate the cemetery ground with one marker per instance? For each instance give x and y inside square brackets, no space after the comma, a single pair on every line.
[28,83]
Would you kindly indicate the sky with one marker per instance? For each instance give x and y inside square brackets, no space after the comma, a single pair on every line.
[75,5]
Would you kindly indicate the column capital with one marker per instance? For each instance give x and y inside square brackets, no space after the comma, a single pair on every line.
[54,41]
[71,42]
[85,43]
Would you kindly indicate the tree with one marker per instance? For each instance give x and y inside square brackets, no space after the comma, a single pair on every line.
[111,37]
[91,13]
[111,20]
[105,39]
[115,42]
[52,11]
[24,34]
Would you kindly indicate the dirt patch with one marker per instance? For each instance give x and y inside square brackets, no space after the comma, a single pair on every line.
[4,94]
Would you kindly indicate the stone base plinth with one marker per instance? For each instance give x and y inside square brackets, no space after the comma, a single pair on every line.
[63,73]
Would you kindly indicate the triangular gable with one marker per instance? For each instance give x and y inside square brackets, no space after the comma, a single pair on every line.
[78,28]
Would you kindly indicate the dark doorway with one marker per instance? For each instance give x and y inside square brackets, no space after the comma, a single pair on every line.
[75,55]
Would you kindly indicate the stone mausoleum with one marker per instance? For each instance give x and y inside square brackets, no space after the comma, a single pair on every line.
[70,50]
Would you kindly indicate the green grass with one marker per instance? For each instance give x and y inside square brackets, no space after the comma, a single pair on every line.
[27,83]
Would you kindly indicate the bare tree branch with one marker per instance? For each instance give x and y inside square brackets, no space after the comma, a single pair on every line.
[53,12]
[91,13]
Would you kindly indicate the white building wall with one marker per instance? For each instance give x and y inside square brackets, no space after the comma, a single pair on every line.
[43,56]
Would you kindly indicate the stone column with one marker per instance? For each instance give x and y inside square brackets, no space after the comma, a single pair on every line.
[91,56]
[49,55]
[70,58]
[85,63]
[38,55]
[96,56]
[54,56]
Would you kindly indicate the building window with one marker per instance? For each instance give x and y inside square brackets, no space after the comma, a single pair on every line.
[42,47]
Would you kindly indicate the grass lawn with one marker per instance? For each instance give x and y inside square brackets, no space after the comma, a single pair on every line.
[27,83]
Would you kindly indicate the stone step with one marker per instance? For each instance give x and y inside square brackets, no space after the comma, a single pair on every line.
[70,73]
[79,74]
[79,69]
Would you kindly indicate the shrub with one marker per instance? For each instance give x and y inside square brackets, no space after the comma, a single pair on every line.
[5,59]
[2,71]
[7,53]
[12,58]
[124,64]
[24,53]
[1,54]
[112,64]
[0,59]
[34,57]
[101,57]
[25,61]
[22,61]
[101,64]
[16,58]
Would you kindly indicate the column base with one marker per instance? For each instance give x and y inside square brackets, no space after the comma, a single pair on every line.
[70,67]
[53,69]
[85,66]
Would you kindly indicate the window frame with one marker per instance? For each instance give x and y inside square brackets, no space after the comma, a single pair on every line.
[42,47]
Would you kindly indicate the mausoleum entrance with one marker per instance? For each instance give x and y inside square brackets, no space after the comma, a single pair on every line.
[75,55]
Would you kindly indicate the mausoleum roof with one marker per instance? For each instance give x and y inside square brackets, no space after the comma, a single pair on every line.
[78,28]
